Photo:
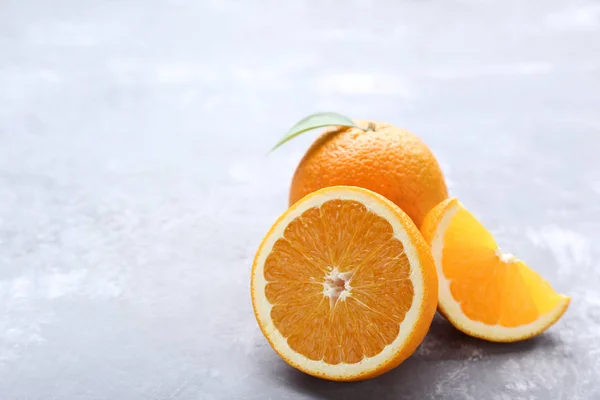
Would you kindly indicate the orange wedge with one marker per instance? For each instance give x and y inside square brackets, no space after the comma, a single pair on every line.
[343,285]
[483,292]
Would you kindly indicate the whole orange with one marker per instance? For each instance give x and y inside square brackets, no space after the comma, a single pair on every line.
[385,159]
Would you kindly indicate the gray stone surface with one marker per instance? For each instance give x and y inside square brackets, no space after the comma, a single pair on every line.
[135,186]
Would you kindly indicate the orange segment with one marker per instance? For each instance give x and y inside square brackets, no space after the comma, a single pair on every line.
[483,292]
[343,286]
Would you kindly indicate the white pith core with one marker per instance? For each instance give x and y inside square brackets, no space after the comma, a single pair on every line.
[263,307]
[337,286]
[506,257]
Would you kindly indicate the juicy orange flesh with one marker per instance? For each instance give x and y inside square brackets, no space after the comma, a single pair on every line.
[371,298]
[488,288]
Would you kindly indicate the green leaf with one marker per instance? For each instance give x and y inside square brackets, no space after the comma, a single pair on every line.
[314,121]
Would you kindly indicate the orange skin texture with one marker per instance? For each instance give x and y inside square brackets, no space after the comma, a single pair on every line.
[426,312]
[385,159]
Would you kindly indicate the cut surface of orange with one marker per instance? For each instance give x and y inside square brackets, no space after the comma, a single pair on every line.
[482,291]
[343,285]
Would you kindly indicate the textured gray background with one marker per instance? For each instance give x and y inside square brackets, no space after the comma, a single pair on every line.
[135,186]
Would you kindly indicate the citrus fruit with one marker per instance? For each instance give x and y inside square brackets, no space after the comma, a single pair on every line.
[385,159]
[482,291]
[343,285]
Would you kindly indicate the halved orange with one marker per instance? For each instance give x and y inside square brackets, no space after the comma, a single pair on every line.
[343,285]
[482,291]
